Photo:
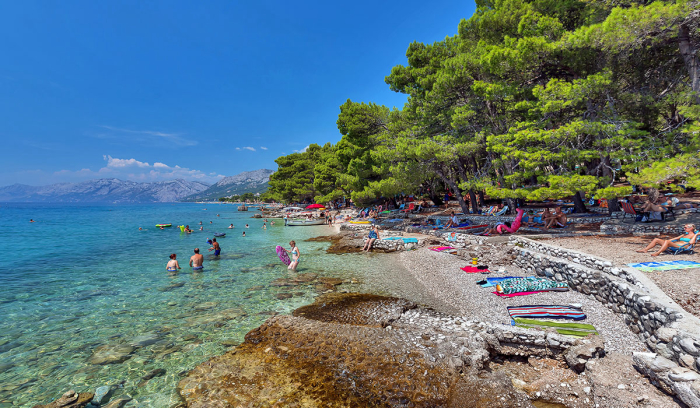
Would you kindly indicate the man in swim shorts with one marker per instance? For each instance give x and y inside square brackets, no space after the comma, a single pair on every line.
[215,247]
[197,260]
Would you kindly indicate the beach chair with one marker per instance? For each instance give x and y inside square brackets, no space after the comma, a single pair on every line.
[490,210]
[627,209]
[503,211]
[687,248]
[669,212]
[410,208]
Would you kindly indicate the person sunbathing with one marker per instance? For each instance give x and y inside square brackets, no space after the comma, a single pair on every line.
[689,237]
[538,218]
[557,219]
[659,206]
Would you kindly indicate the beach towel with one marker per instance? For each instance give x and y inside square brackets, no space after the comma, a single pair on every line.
[664,266]
[517,294]
[492,281]
[440,249]
[546,312]
[568,329]
[530,284]
[474,269]
[405,240]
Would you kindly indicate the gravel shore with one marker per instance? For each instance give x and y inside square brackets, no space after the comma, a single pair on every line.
[443,281]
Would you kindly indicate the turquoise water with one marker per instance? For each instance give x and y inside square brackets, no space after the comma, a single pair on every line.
[84,279]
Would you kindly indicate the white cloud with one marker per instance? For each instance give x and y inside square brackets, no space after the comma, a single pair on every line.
[120,163]
[263,148]
[302,150]
[132,169]
[252,149]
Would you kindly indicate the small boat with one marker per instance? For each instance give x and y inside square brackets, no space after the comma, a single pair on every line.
[303,222]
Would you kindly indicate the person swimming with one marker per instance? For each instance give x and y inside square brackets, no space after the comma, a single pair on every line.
[230,226]
[172,265]
[244,233]
[246,226]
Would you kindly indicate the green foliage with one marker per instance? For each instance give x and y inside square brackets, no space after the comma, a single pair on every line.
[531,99]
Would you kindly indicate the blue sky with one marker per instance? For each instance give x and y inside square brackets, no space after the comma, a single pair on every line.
[156,90]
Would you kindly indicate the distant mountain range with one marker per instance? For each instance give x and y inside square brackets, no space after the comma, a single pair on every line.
[119,191]
[103,191]
[246,182]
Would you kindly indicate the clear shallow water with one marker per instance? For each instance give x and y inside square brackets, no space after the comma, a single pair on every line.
[84,277]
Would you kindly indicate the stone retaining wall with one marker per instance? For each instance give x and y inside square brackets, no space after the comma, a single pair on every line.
[664,326]
[493,220]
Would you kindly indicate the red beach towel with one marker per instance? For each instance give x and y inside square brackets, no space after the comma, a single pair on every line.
[517,294]
[473,269]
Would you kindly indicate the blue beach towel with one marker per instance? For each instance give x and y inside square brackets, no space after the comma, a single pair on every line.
[492,281]
[405,240]
[664,266]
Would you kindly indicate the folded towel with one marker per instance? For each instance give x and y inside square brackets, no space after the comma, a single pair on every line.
[569,329]
[472,269]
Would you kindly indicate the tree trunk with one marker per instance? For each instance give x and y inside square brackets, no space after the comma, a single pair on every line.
[482,200]
[579,204]
[613,206]
[690,57]
[455,190]
[475,204]
[511,205]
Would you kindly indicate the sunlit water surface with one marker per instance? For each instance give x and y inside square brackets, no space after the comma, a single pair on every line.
[84,277]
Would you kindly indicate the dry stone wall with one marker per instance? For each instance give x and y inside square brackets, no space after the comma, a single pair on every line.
[668,331]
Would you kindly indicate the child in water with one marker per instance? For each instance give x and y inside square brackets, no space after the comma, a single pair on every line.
[244,233]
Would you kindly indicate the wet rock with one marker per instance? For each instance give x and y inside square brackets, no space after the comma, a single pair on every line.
[144,340]
[205,306]
[330,281]
[305,277]
[70,399]
[254,288]
[172,286]
[282,296]
[118,403]
[102,395]
[111,354]
[230,342]
[155,373]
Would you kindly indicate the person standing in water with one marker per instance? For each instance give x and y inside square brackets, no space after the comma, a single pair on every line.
[197,260]
[215,247]
[296,256]
[244,233]
[172,265]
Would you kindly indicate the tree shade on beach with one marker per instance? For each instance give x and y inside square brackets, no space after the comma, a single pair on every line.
[529,100]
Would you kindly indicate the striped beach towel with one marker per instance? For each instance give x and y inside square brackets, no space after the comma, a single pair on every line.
[546,312]
[492,281]
[440,249]
[568,329]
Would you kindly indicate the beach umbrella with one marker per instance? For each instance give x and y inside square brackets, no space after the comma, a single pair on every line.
[314,206]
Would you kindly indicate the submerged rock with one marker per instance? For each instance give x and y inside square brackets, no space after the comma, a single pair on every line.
[70,399]
[111,354]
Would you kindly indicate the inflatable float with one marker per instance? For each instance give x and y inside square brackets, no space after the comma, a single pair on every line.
[359,222]
[164,225]
[219,234]
[283,255]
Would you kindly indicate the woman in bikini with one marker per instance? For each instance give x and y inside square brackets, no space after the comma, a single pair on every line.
[296,256]
[689,237]
[172,265]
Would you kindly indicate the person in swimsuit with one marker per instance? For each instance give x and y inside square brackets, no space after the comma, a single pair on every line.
[296,256]
[172,265]
[264,226]
[230,226]
[689,237]
[246,225]
[244,233]
[371,237]
[197,260]
[215,247]
[32,220]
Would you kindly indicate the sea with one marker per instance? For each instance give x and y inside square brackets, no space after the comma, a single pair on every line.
[86,302]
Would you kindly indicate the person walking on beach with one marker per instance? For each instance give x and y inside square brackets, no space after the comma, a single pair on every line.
[371,237]
[215,247]
[197,260]
[296,256]
[172,265]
